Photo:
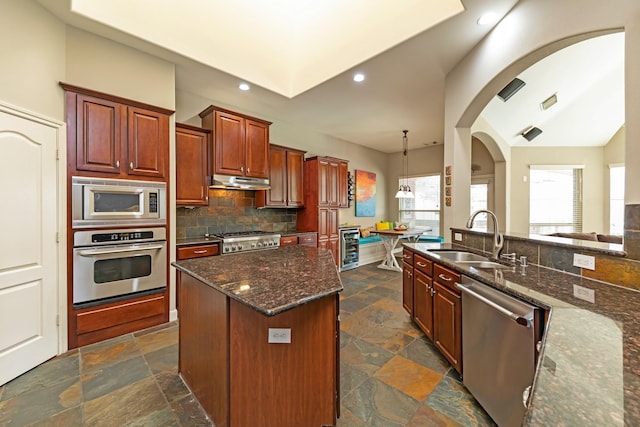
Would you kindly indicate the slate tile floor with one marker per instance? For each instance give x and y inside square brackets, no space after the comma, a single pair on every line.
[391,375]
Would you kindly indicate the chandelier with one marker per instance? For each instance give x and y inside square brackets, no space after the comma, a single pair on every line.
[404,191]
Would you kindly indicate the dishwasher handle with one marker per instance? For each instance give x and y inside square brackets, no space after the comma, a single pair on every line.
[518,319]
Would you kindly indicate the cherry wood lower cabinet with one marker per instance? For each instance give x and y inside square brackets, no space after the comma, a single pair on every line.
[93,324]
[241,379]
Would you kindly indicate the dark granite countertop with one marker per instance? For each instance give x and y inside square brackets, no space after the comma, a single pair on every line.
[270,281]
[589,369]
[200,240]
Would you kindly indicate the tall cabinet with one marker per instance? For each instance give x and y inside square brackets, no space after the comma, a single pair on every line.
[323,196]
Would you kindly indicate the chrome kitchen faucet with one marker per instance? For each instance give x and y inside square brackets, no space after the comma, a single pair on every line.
[498,239]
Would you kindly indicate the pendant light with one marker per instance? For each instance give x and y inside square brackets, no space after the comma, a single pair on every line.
[404,191]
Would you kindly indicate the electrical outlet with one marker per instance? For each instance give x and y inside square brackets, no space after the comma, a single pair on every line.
[584,261]
[280,335]
[457,236]
[585,294]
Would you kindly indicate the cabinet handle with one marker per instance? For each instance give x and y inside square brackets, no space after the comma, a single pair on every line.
[433,292]
[421,264]
[241,168]
[201,251]
[445,278]
[131,165]
[248,170]
[117,163]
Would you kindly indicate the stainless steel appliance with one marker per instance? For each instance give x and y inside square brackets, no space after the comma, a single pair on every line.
[118,262]
[349,248]
[242,241]
[499,336]
[239,182]
[101,202]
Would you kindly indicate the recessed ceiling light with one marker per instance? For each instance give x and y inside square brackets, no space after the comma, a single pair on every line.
[358,77]
[488,18]
[244,86]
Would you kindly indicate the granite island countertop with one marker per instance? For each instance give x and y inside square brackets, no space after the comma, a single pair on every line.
[270,281]
[588,372]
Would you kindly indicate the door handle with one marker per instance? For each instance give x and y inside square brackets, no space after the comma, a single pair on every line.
[137,248]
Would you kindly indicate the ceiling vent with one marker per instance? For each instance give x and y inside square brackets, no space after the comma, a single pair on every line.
[549,102]
[531,132]
[509,90]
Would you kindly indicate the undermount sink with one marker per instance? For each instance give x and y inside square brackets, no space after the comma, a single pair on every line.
[469,259]
[461,256]
[483,264]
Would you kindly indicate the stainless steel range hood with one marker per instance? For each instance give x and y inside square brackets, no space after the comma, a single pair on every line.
[239,183]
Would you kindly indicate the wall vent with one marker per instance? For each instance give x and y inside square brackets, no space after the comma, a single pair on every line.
[549,102]
[531,133]
[510,89]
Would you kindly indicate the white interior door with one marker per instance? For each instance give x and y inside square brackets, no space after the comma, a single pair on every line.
[28,248]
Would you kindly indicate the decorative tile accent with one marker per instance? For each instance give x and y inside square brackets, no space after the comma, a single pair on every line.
[615,270]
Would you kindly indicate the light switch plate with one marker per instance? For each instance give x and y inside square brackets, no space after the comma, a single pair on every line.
[457,236]
[584,261]
[585,294]
[280,335]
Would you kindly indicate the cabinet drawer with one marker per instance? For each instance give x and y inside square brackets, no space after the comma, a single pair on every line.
[422,264]
[407,257]
[308,240]
[446,277]
[288,240]
[187,252]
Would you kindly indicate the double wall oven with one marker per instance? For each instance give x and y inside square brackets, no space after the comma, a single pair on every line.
[111,262]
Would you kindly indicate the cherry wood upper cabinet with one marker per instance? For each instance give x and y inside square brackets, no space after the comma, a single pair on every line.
[241,142]
[192,148]
[286,179]
[343,177]
[115,137]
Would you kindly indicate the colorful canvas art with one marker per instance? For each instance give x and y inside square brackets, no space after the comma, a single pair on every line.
[365,193]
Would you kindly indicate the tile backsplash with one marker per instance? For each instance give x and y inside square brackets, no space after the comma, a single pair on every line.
[232,210]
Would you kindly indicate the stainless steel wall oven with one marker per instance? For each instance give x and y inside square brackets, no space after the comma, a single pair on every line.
[118,262]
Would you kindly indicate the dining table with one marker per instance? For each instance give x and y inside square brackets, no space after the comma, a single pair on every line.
[390,240]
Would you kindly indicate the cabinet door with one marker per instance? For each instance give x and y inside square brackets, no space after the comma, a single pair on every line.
[332,184]
[423,302]
[323,183]
[343,196]
[323,223]
[147,143]
[191,167]
[277,195]
[447,327]
[100,132]
[333,223]
[407,289]
[256,149]
[295,178]
[229,144]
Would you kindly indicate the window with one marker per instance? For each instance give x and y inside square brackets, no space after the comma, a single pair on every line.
[616,199]
[555,199]
[423,211]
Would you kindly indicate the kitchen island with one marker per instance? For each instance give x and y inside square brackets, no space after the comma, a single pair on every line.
[259,336]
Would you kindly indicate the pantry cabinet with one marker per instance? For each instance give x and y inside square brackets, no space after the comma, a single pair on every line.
[240,143]
[192,154]
[114,137]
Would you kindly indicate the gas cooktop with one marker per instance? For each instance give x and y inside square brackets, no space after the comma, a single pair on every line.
[242,241]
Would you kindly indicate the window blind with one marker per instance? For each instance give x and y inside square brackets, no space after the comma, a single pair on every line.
[555,199]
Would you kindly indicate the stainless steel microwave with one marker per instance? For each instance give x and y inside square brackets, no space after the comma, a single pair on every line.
[101,202]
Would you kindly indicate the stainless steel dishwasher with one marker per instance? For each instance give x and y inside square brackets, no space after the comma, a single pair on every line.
[499,336]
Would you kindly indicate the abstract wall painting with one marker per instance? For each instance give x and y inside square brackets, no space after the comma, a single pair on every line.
[365,193]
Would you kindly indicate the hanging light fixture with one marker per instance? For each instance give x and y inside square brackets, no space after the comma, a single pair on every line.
[404,191]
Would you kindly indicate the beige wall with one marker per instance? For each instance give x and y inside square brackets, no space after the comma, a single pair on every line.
[32,42]
[594,204]
[531,31]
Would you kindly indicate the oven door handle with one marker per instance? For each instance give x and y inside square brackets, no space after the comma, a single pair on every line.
[137,248]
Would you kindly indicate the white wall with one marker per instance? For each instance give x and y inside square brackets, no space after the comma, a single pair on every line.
[32,42]
[531,31]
